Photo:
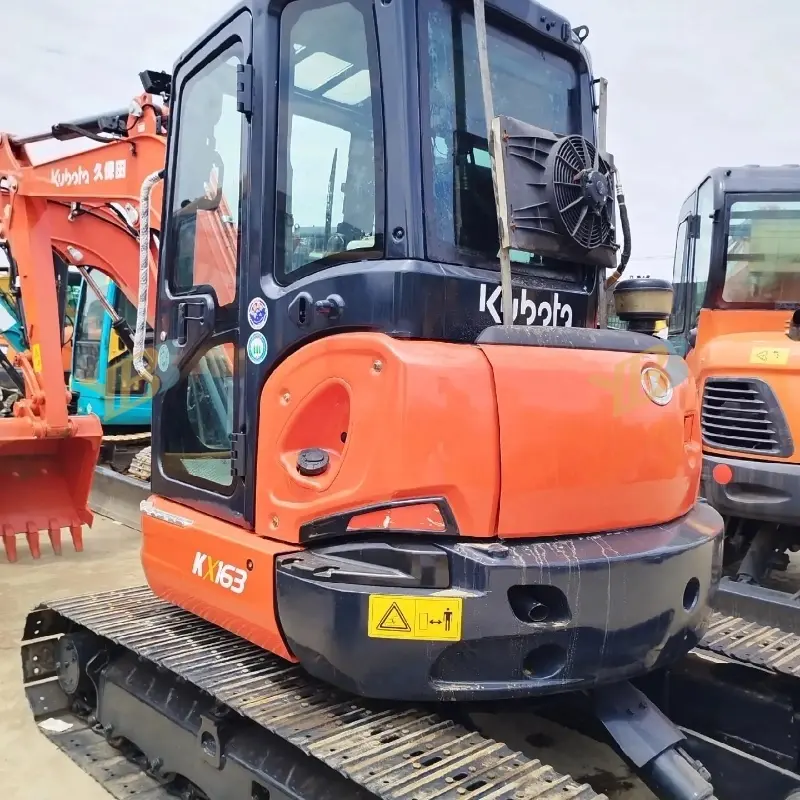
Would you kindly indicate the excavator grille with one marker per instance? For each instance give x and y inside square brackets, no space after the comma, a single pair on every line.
[743,415]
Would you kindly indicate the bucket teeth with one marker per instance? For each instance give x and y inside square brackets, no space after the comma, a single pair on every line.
[54,532]
[10,543]
[76,532]
[33,541]
[32,535]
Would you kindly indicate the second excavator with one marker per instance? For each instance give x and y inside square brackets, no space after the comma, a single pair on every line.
[737,278]
[77,211]
[85,208]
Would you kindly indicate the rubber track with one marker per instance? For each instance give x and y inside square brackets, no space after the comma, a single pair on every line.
[384,748]
[752,643]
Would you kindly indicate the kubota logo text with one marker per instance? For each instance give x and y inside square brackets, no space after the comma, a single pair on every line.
[65,177]
[225,575]
[112,170]
[550,311]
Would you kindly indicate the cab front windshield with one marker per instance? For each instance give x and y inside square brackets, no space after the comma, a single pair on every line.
[763,252]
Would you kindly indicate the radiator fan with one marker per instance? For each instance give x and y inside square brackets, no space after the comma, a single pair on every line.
[559,195]
[582,189]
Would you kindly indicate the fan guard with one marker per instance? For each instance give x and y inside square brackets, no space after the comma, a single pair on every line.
[559,195]
[583,190]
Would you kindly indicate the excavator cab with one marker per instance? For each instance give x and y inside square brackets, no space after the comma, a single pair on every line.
[737,278]
[102,368]
[368,456]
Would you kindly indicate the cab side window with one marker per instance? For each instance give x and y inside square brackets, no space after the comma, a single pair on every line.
[702,249]
[206,203]
[212,137]
[90,330]
[122,378]
[677,320]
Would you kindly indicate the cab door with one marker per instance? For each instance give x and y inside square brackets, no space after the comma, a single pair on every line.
[198,423]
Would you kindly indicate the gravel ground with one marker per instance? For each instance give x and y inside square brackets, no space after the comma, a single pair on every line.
[30,767]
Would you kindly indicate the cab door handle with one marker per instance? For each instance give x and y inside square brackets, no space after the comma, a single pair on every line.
[189,311]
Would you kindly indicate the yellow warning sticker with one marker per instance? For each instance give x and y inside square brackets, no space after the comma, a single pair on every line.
[430,619]
[771,356]
[36,353]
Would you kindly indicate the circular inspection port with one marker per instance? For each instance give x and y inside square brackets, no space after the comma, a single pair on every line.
[691,594]
[544,662]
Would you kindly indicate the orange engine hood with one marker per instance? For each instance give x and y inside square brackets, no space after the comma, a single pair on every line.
[583,448]
[520,441]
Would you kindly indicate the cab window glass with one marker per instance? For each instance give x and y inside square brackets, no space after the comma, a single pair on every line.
[529,82]
[677,320]
[763,252]
[90,324]
[92,314]
[206,201]
[702,248]
[212,137]
[73,296]
[329,204]
[126,310]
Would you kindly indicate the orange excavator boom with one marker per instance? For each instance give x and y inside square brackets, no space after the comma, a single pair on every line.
[85,207]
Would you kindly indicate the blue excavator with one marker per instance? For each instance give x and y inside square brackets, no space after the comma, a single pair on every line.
[95,358]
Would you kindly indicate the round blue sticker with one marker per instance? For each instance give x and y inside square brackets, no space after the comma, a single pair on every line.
[256,347]
[257,313]
[163,358]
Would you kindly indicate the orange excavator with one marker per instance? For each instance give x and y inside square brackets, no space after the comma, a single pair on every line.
[83,209]
[371,479]
[397,457]
[737,277]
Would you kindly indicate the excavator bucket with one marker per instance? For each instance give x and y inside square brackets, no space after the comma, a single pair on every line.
[45,483]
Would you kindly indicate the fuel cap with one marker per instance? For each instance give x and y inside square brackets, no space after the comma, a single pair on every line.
[313,461]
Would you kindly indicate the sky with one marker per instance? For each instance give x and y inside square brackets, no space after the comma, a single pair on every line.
[692,85]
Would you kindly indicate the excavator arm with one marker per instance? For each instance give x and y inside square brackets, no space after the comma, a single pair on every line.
[85,208]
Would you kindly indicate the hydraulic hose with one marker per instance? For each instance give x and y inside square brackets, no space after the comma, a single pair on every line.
[144,274]
[626,233]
